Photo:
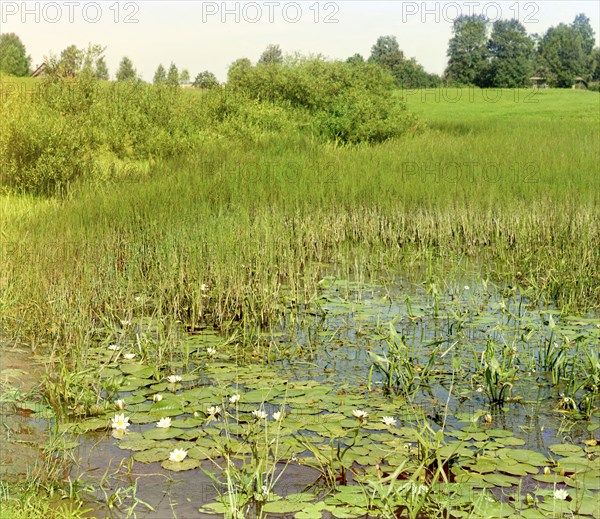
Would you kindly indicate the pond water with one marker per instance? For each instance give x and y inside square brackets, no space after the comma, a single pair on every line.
[484,394]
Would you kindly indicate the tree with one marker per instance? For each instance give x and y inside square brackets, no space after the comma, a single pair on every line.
[14,60]
[71,61]
[271,55]
[101,69]
[512,52]
[173,75]
[237,70]
[410,74]
[386,53]
[561,56]
[126,72]
[383,48]
[596,64]
[407,73]
[184,77]
[160,76]
[356,58]
[206,79]
[583,26]
[468,52]
[74,62]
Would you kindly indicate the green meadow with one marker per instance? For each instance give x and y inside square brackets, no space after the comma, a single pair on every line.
[211,220]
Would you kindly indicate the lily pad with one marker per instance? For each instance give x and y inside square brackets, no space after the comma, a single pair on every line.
[178,466]
[162,434]
[152,455]
[566,449]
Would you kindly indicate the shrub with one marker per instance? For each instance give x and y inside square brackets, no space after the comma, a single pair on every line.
[350,102]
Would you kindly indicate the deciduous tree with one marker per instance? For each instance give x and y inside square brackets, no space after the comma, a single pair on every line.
[272,55]
[14,60]
[512,53]
[468,51]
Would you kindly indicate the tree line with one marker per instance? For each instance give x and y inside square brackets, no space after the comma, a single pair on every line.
[482,54]
[507,56]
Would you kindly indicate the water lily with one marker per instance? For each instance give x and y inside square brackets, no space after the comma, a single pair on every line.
[214,410]
[174,379]
[164,423]
[157,398]
[561,493]
[234,399]
[547,471]
[114,347]
[360,414]
[120,422]
[120,404]
[388,420]
[467,287]
[211,352]
[277,415]
[129,356]
[488,418]
[479,389]
[259,414]
[177,455]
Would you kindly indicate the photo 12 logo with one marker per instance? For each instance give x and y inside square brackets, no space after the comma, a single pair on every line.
[71,12]
[450,11]
[271,12]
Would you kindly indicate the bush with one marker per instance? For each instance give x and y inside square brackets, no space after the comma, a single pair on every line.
[349,102]
[64,130]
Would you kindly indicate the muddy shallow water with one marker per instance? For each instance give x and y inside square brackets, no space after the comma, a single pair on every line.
[318,369]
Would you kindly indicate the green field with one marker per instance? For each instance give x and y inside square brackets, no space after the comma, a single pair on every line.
[235,224]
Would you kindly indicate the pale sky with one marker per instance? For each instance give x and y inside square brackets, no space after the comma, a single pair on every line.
[201,35]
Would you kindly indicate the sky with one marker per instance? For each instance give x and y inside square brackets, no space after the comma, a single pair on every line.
[210,35]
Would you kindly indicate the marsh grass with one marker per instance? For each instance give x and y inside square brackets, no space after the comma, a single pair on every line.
[238,233]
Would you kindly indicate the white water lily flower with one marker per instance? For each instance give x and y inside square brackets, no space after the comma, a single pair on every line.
[120,422]
[164,423]
[277,415]
[234,399]
[259,414]
[388,420]
[360,415]
[467,287]
[177,455]
[561,493]
[129,356]
[120,404]
[214,410]
[211,351]
[157,398]
[174,378]
[479,389]
[114,347]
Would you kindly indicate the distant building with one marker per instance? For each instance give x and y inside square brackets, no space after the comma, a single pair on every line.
[40,71]
[538,82]
[580,83]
